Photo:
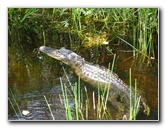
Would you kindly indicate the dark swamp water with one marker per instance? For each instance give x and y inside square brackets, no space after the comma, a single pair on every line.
[34,78]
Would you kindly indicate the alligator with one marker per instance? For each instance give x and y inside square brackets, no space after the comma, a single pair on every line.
[119,93]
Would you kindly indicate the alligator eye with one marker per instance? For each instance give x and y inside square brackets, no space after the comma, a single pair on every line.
[71,57]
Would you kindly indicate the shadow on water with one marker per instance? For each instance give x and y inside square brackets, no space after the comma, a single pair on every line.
[32,75]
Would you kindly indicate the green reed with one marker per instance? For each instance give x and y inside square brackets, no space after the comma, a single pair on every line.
[49,108]
[13,108]
[76,102]
[82,102]
[15,102]
[133,106]
[137,26]
[104,96]
[66,101]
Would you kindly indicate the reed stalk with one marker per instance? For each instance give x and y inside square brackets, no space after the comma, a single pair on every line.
[133,106]
[13,97]
[49,108]
[14,108]
[66,102]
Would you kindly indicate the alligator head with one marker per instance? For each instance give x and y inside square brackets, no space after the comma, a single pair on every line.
[66,56]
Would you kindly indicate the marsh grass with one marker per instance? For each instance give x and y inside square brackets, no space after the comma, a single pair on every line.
[14,103]
[14,108]
[134,107]
[89,26]
[143,35]
[66,101]
[103,98]
[82,105]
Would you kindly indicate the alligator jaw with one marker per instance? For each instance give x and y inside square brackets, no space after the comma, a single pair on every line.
[55,53]
[66,56]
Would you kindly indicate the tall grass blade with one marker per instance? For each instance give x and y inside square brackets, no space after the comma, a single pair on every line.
[76,102]
[66,102]
[13,108]
[131,108]
[15,102]
[49,108]
[134,47]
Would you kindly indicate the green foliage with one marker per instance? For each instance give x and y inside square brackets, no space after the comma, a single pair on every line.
[91,26]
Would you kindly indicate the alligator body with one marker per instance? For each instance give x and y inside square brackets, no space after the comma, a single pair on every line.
[97,75]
